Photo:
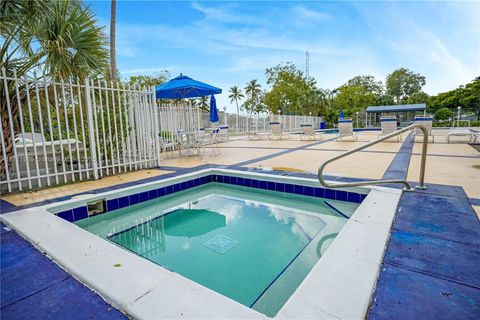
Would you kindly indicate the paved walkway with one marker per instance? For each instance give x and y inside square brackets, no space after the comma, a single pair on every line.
[34,287]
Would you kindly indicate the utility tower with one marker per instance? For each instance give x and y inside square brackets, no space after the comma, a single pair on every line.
[307,64]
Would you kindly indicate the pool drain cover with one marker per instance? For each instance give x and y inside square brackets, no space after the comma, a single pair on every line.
[221,243]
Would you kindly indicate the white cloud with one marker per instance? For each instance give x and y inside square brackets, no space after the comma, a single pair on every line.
[307,15]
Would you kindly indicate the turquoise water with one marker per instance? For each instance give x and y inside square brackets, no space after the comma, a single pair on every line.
[254,247]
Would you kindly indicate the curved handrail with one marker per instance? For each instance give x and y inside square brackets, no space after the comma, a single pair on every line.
[408,187]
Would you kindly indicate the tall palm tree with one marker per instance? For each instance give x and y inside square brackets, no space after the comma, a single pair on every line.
[253,91]
[203,103]
[62,38]
[113,18]
[235,95]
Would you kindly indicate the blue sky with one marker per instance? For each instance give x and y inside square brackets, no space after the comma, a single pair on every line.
[230,43]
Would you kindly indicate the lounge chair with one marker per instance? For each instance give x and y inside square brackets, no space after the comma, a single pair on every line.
[223,133]
[475,136]
[426,121]
[276,131]
[308,132]
[345,129]
[388,125]
[462,132]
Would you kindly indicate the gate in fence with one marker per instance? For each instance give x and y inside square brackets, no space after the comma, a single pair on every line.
[55,132]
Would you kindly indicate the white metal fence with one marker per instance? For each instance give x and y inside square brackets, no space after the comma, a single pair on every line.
[54,132]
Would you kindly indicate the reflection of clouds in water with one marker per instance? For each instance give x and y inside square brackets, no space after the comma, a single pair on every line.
[303,226]
[251,203]
[232,210]
[186,245]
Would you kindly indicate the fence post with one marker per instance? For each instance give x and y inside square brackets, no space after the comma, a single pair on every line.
[156,130]
[91,130]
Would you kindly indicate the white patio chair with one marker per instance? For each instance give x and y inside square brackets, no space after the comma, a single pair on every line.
[345,129]
[223,133]
[388,125]
[309,133]
[475,136]
[276,131]
[210,141]
[427,122]
[182,140]
[460,132]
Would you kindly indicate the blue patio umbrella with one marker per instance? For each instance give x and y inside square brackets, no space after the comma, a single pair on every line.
[213,109]
[185,87]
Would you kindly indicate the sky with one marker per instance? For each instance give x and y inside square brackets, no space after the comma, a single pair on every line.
[230,43]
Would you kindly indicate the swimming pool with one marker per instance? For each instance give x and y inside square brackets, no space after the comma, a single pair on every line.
[247,244]
[254,247]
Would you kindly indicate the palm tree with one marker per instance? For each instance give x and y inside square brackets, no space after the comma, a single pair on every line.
[113,18]
[235,95]
[203,103]
[254,92]
[61,38]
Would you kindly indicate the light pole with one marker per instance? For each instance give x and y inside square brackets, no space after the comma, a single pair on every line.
[458,116]
[225,115]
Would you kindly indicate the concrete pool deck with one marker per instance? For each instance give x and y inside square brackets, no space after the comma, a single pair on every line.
[455,164]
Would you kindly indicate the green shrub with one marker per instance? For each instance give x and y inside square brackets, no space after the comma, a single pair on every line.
[443,114]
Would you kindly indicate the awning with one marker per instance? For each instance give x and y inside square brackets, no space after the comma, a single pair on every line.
[397,108]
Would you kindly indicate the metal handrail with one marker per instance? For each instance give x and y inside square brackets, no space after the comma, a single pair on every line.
[408,187]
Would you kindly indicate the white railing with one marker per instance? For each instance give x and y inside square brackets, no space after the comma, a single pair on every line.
[55,132]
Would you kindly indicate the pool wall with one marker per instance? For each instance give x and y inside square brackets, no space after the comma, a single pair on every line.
[79,212]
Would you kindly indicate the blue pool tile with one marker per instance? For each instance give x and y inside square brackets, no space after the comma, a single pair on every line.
[271,185]
[80,213]
[66,215]
[134,199]
[290,188]
[152,194]
[280,187]
[319,192]
[176,187]
[184,185]
[161,192]
[354,197]
[298,189]
[123,202]
[203,180]
[112,204]
[227,179]
[362,197]
[341,195]
[144,196]
[168,190]
[308,191]
[330,194]
[240,181]
[233,180]
[190,184]
[255,183]
[248,182]
[262,184]
[220,178]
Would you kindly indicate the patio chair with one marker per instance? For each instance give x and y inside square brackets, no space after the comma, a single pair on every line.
[308,132]
[345,129]
[210,141]
[276,131]
[167,145]
[223,133]
[475,136]
[461,132]
[388,125]
[427,122]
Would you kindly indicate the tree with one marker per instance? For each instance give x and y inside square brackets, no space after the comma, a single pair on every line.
[288,84]
[357,94]
[203,104]
[235,95]
[60,37]
[254,97]
[403,83]
[314,101]
[113,18]
[443,114]
[149,81]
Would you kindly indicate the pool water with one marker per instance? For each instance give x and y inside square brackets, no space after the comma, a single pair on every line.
[254,247]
